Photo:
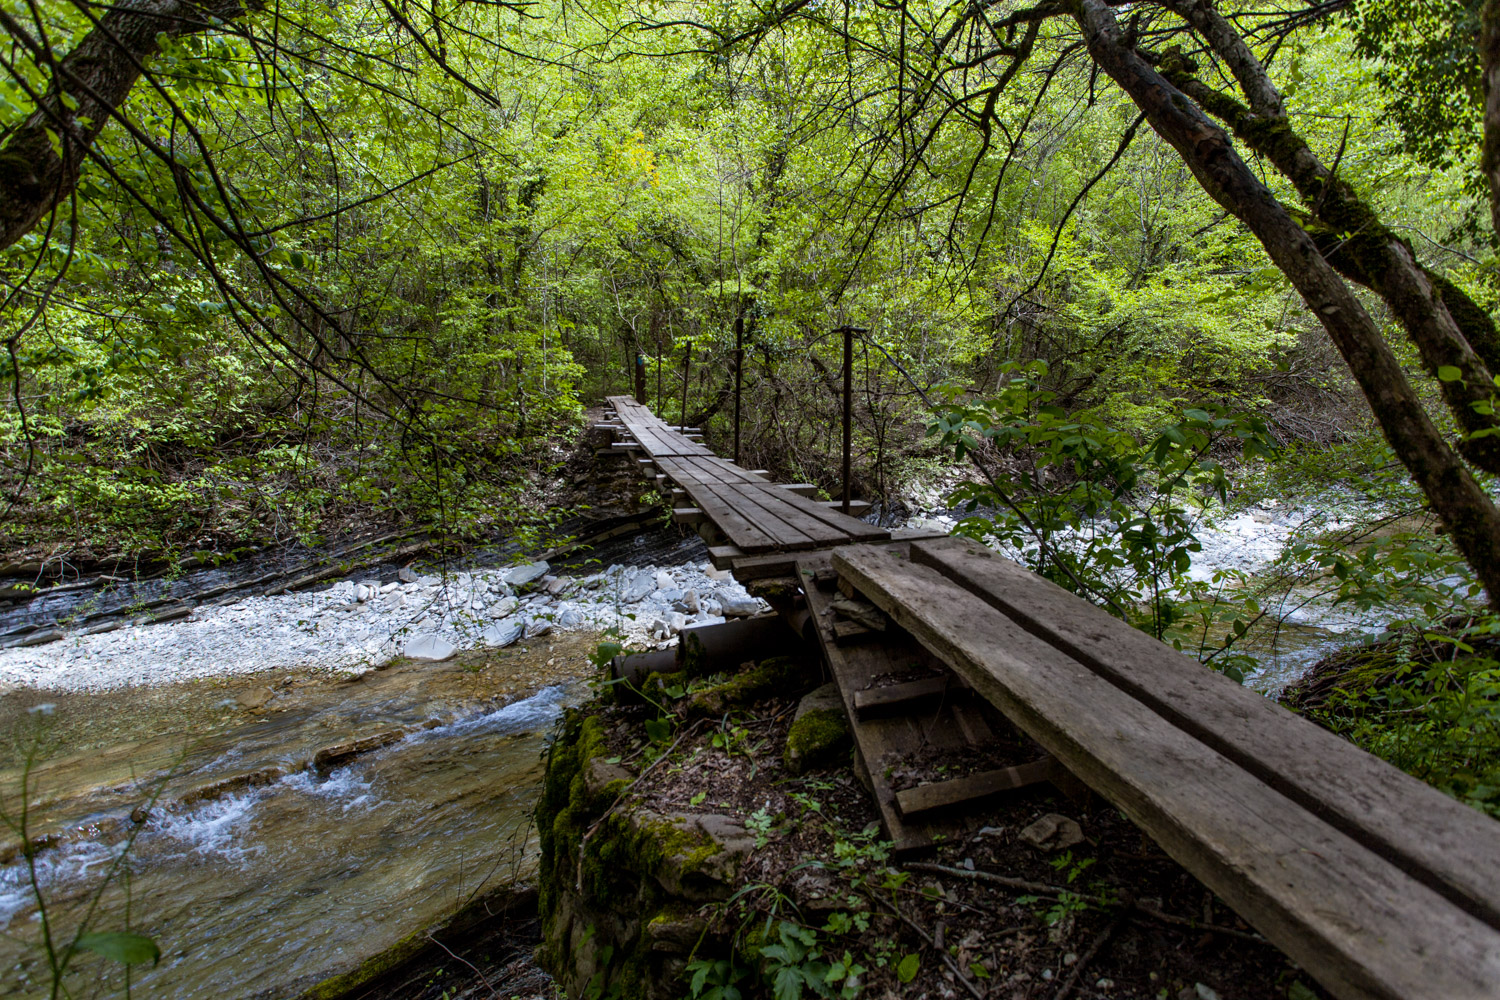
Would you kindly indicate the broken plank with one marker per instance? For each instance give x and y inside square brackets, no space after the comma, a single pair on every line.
[892,696]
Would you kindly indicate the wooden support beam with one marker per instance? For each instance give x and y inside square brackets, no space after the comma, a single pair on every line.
[801,489]
[965,791]
[687,515]
[874,700]
[857,508]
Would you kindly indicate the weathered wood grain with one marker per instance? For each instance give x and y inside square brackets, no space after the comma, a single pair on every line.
[1437,840]
[1360,925]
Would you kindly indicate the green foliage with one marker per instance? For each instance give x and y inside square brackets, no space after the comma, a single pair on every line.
[1430,705]
[796,962]
[1098,510]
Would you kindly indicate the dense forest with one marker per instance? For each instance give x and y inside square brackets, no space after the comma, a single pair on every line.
[287,271]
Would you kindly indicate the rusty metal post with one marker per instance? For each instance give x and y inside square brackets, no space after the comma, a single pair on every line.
[687,362]
[739,372]
[848,409]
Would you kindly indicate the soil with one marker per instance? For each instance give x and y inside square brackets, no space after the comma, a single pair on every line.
[1108,919]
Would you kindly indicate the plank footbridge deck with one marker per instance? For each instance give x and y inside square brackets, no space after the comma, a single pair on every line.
[1377,884]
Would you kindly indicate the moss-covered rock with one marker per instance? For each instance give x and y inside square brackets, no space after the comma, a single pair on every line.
[775,676]
[616,876]
[819,738]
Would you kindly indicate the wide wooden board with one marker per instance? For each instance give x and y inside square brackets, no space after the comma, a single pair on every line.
[1360,925]
[1437,840]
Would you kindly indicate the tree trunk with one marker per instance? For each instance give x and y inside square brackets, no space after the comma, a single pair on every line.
[1465,509]
[89,85]
[1489,54]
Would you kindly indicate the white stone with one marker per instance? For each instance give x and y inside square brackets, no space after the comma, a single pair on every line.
[428,646]
[527,572]
[502,634]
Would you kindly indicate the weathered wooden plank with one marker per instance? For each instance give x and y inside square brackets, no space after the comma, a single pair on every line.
[688,515]
[881,741]
[969,790]
[724,556]
[847,527]
[1439,841]
[767,517]
[744,533]
[1360,925]
[872,700]
[801,531]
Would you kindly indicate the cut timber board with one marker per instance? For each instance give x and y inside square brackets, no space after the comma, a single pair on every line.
[880,741]
[1361,926]
[1432,837]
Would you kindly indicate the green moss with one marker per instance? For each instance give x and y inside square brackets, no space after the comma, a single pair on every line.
[778,675]
[818,738]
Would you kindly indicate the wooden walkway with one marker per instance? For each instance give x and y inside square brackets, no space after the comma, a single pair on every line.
[755,515]
[1377,884]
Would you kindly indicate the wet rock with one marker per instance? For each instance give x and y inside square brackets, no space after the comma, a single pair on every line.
[1053,832]
[341,753]
[431,647]
[255,697]
[502,634]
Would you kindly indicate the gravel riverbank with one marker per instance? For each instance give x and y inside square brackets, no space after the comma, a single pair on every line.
[359,624]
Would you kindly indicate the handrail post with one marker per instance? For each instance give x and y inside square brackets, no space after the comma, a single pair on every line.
[848,410]
[687,361]
[739,371]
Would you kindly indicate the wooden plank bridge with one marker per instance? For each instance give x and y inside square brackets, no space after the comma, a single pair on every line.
[1377,884]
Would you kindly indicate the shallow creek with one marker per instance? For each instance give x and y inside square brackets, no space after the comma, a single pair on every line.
[257,871]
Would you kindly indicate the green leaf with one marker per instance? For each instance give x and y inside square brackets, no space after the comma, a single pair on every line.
[127,949]
[1448,373]
[906,969]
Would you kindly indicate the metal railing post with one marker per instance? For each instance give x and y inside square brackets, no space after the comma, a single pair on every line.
[739,370]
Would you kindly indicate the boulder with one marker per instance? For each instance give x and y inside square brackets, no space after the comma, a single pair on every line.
[502,634]
[634,588]
[518,576]
[732,605]
[429,646]
[405,575]
[820,731]
[538,628]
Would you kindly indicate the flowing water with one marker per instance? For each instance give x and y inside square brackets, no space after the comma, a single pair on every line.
[257,871]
